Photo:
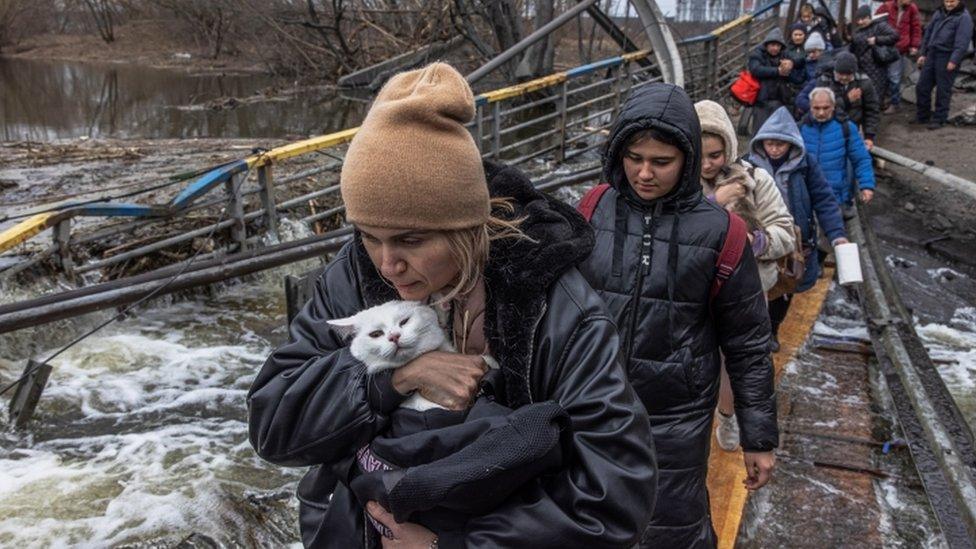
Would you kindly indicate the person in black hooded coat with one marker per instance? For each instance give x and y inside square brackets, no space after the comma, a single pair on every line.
[653,264]
[777,74]
[549,332]
[873,39]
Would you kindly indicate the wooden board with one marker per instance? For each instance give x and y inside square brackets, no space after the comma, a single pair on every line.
[725,469]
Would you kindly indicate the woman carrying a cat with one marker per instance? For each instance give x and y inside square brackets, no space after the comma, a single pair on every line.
[436,224]
[751,193]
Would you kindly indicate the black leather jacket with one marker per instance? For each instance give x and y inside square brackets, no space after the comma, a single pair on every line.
[653,264]
[549,331]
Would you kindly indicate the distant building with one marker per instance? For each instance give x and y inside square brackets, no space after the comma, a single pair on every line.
[700,11]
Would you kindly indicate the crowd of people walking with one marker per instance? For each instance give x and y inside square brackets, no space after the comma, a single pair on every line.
[867,70]
[593,350]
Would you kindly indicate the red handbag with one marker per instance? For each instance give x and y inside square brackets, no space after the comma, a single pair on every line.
[745,89]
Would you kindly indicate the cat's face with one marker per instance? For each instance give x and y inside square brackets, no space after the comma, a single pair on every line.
[392,334]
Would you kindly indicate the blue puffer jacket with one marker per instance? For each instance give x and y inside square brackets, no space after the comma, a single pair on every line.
[948,32]
[803,186]
[826,143]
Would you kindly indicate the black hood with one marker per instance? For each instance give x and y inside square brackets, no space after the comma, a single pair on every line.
[561,238]
[668,109]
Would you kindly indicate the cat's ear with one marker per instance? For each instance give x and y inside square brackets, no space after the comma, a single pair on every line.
[345,327]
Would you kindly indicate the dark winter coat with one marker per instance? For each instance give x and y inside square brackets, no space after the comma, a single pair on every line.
[654,264]
[865,112]
[948,32]
[765,69]
[884,37]
[906,21]
[310,405]
[827,27]
[438,468]
[804,188]
[825,141]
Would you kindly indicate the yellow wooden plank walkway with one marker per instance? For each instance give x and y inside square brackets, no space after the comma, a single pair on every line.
[725,469]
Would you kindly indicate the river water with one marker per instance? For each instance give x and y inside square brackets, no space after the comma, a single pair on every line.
[141,437]
[141,434]
[46,100]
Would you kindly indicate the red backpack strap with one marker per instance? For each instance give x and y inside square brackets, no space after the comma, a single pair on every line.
[590,201]
[728,258]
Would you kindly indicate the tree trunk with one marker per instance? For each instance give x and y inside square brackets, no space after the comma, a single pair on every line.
[102,13]
[504,21]
[538,59]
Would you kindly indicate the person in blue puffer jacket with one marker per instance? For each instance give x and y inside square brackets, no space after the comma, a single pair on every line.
[779,149]
[836,148]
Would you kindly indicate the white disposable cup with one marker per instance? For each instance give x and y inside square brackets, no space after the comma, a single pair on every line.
[848,263]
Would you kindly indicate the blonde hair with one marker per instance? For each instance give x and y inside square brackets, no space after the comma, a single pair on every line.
[470,247]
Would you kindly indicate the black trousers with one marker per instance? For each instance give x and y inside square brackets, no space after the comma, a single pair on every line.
[777,311]
[934,75]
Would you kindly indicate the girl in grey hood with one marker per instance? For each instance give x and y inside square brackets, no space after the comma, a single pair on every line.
[778,148]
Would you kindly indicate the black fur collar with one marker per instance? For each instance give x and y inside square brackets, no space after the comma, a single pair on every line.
[518,275]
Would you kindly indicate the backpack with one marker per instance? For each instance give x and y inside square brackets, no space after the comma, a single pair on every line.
[789,269]
[728,259]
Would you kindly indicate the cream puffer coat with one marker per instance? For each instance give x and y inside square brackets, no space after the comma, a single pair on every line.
[761,193]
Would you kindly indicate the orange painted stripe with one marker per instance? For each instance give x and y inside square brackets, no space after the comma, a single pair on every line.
[726,471]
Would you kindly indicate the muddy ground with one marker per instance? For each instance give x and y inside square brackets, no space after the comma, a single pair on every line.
[913,210]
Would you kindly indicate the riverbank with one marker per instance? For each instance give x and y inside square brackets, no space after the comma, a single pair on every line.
[144,43]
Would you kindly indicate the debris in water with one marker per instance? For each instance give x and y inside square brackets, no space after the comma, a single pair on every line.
[894,261]
[944,274]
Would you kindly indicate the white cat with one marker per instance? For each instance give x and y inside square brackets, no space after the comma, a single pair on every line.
[390,335]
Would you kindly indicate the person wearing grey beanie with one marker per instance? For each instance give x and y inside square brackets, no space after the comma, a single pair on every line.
[814,48]
[814,42]
[496,260]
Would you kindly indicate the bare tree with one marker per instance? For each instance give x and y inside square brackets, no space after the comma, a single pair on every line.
[22,18]
[539,59]
[11,13]
[212,19]
[103,13]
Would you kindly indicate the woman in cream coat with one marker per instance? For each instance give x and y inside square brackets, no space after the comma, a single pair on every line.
[750,192]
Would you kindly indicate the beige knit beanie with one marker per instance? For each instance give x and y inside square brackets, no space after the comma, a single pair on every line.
[413,164]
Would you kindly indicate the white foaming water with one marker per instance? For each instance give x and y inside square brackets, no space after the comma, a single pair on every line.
[953,348]
[944,274]
[141,434]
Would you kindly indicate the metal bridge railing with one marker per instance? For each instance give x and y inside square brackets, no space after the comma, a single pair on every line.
[712,61]
[560,115]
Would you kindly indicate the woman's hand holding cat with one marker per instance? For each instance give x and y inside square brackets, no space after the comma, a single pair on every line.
[726,194]
[448,379]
